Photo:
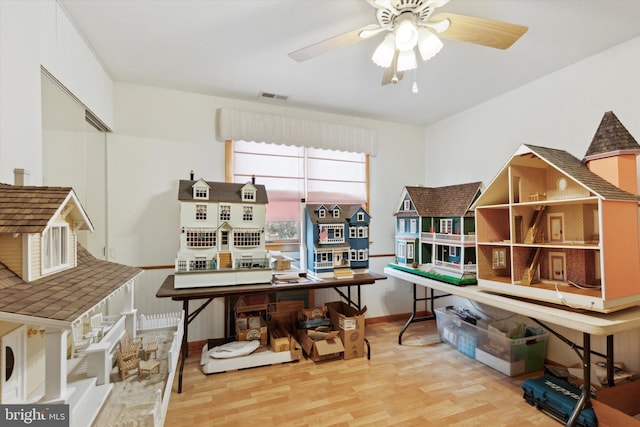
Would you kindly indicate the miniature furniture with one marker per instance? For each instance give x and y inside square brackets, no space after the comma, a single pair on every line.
[80,343]
[147,367]
[129,347]
[126,365]
[589,323]
[150,347]
[168,290]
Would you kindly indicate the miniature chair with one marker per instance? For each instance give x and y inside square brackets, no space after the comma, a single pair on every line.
[80,343]
[129,347]
[125,366]
[150,347]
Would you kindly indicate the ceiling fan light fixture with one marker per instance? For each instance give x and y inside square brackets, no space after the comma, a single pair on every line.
[383,55]
[428,44]
[407,60]
[406,31]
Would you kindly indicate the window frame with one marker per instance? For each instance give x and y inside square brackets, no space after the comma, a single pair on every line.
[291,245]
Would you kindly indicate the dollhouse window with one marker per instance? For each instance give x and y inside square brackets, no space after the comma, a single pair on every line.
[336,213]
[363,232]
[338,233]
[499,258]
[363,255]
[410,251]
[322,213]
[225,212]
[201,192]
[401,226]
[413,225]
[353,232]
[55,248]
[453,251]
[201,212]
[247,213]
[353,255]
[248,195]
[446,226]
[200,238]
[406,205]
[360,217]
[246,238]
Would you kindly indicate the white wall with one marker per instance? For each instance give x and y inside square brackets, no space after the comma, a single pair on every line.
[562,110]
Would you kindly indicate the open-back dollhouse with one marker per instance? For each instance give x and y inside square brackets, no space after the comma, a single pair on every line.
[551,227]
[57,305]
[222,234]
[336,240]
[435,232]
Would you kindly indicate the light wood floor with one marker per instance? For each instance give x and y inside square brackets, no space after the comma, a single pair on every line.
[420,383]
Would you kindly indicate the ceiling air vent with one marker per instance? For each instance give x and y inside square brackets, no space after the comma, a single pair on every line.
[273,96]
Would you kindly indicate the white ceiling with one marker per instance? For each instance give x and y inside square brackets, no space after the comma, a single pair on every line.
[238,48]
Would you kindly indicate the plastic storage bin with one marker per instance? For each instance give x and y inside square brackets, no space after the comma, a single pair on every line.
[491,347]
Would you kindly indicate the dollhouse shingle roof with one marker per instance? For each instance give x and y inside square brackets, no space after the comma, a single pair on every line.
[610,137]
[28,209]
[451,200]
[221,192]
[67,295]
[348,210]
[577,170]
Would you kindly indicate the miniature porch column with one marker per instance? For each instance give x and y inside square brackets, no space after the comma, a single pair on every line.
[55,365]
[131,322]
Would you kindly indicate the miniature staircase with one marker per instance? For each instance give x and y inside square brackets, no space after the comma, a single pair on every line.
[343,273]
[534,225]
[529,272]
[225,260]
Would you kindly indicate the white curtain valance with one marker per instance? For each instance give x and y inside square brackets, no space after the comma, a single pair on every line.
[277,129]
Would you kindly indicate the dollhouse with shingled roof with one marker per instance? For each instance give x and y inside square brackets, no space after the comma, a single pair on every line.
[435,232]
[554,228]
[52,292]
[222,237]
[336,240]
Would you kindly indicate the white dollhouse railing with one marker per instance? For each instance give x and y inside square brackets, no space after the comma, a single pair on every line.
[159,320]
[448,238]
[465,268]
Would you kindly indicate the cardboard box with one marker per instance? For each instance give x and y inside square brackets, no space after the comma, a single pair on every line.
[321,346]
[617,406]
[313,317]
[351,325]
[252,328]
[598,375]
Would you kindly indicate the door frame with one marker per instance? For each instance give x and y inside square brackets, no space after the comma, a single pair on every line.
[17,339]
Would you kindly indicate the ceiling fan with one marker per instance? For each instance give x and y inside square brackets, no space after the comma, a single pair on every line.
[410,24]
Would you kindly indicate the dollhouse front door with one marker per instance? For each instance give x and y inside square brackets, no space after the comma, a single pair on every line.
[13,366]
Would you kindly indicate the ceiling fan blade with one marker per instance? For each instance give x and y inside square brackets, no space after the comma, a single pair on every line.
[390,75]
[332,43]
[485,32]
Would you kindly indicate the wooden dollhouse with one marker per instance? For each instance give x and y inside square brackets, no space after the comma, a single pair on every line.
[222,234]
[551,227]
[336,240]
[54,297]
[435,232]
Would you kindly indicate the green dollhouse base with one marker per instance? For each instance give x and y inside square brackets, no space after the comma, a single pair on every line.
[453,280]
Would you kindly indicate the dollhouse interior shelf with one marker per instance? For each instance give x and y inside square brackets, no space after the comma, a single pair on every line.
[589,323]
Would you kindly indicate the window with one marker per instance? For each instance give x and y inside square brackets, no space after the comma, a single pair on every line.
[401,226]
[201,192]
[406,205]
[246,238]
[248,194]
[201,212]
[413,224]
[54,248]
[360,217]
[363,232]
[247,213]
[336,213]
[499,258]
[225,212]
[201,237]
[322,213]
[353,232]
[291,173]
[446,226]
[409,250]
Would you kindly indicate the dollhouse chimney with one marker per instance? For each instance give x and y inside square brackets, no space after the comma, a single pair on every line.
[612,154]
[21,176]
[253,179]
[191,174]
